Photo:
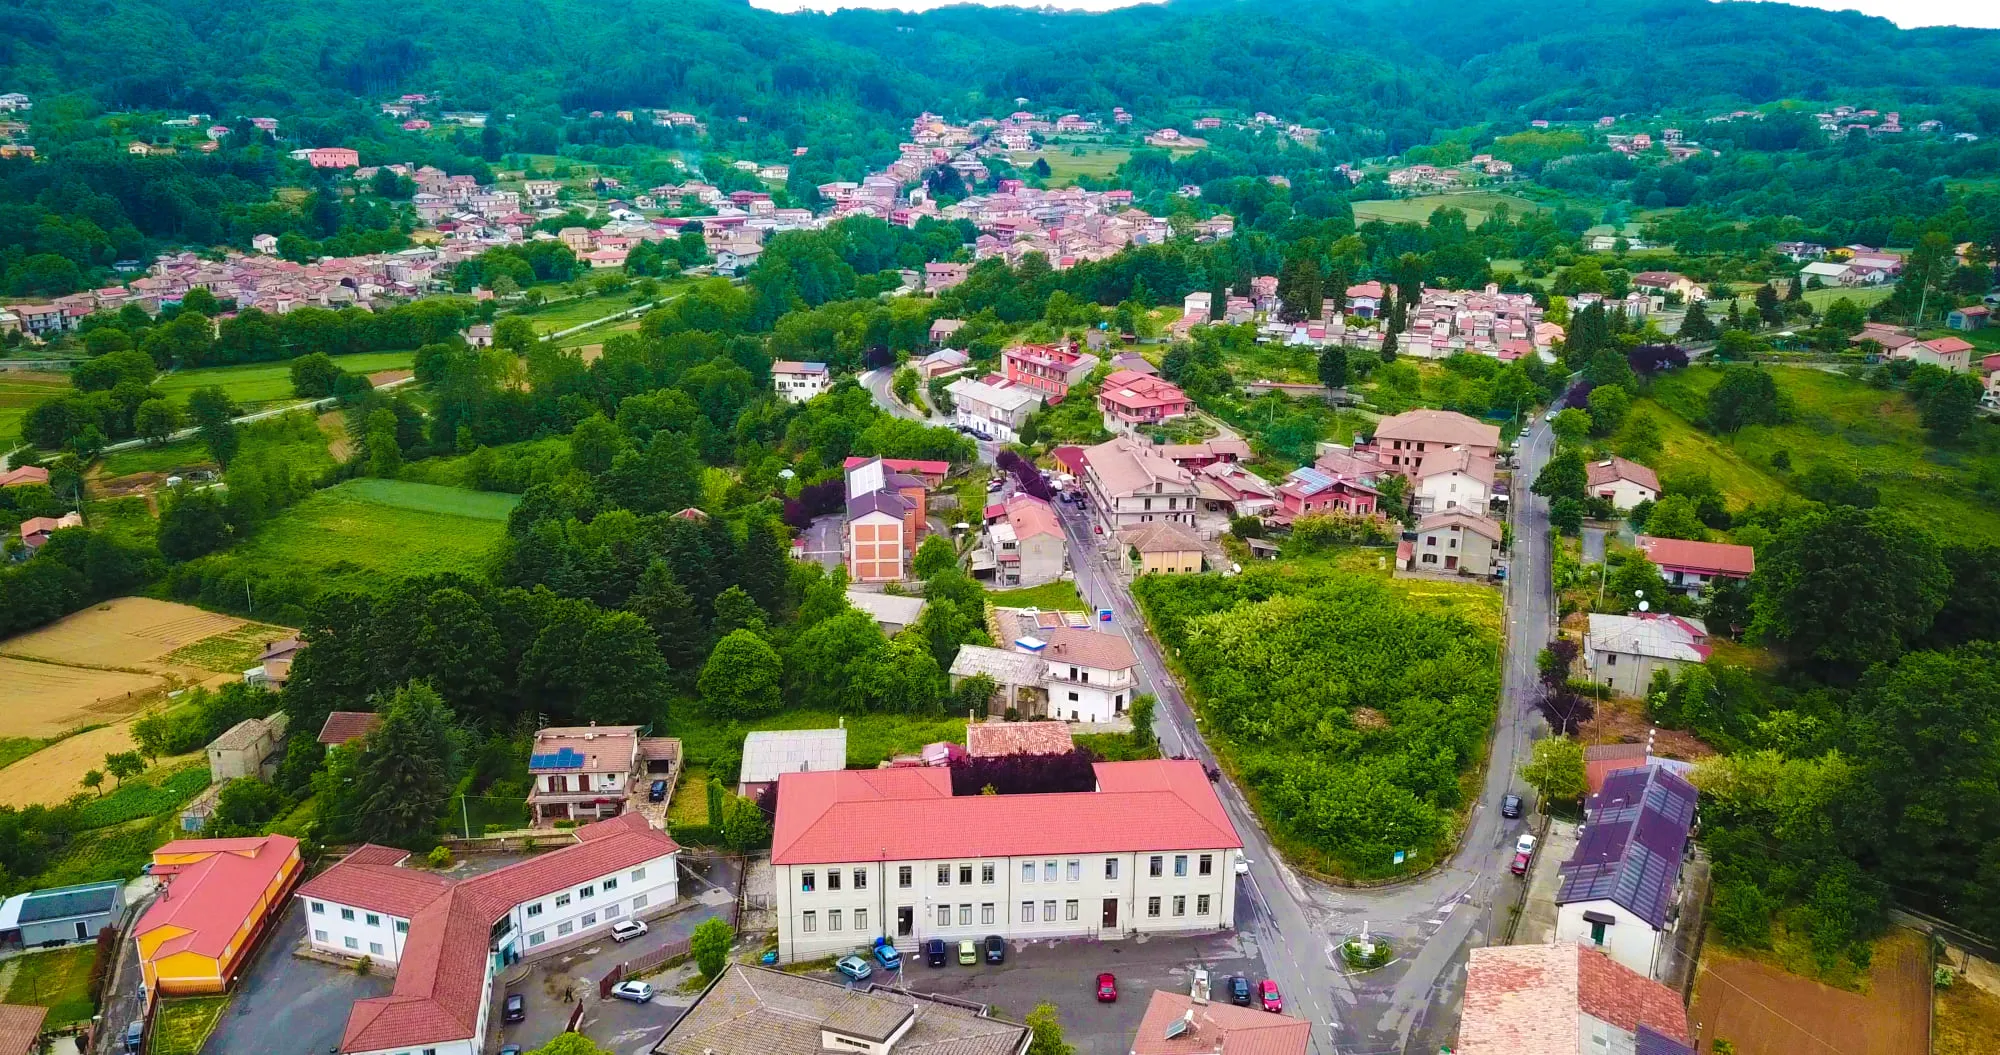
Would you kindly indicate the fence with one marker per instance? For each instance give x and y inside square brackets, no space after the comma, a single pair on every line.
[646,964]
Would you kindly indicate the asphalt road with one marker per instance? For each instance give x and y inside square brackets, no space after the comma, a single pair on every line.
[1297,925]
[877,383]
[286,1005]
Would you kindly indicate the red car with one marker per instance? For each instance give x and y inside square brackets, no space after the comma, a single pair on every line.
[1520,865]
[1267,994]
[1107,988]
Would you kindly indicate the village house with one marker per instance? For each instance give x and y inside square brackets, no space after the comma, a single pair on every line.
[995,411]
[1972,317]
[939,277]
[751,1010]
[1564,999]
[1622,483]
[588,772]
[892,612]
[798,382]
[220,896]
[23,474]
[1402,441]
[1051,369]
[1177,1024]
[447,939]
[1948,353]
[1692,567]
[1130,401]
[1621,887]
[35,531]
[1453,478]
[892,852]
[1829,273]
[942,330]
[1456,541]
[331,158]
[1311,489]
[342,728]
[767,755]
[61,915]
[1228,490]
[1669,282]
[1088,673]
[1622,652]
[1130,483]
[1023,544]
[885,521]
[942,363]
[1163,548]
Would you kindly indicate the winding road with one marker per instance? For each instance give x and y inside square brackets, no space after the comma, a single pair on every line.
[1411,1006]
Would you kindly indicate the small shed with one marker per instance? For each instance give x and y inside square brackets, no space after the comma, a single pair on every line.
[891,612]
[61,915]
[766,755]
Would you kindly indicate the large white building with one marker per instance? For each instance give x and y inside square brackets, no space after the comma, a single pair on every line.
[798,382]
[859,854]
[447,939]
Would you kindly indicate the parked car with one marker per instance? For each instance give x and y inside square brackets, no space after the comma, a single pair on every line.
[1239,990]
[658,792]
[135,1034]
[631,989]
[1242,864]
[968,953]
[1214,774]
[887,956]
[1510,806]
[1267,995]
[1107,988]
[511,1049]
[934,952]
[1520,865]
[515,1009]
[1526,843]
[854,967]
[626,929]
[996,949]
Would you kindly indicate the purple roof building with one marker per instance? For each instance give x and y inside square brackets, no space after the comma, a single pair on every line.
[1621,888]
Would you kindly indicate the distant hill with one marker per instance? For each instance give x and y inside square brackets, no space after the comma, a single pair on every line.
[1387,72]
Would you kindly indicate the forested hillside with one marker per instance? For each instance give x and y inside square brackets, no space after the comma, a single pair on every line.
[1382,75]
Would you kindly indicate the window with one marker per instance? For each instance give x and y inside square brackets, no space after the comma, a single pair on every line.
[903,878]
[402,926]
[1074,871]
[1597,933]
[319,908]
[563,899]
[537,938]
[1201,904]
[611,884]
[1048,912]
[347,914]
[833,919]
[1072,697]
[808,882]
[1027,912]
[833,879]
[809,921]
[589,919]
[1180,904]
[1070,909]
[861,879]
[986,913]
[986,872]
[965,915]
[350,943]
[1048,871]
[1180,865]
[611,910]
[1205,865]
[1156,866]
[590,891]
[374,948]
[374,920]
[319,936]
[861,919]
[1152,906]
[944,915]
[1027,871]
[944,875]
[1111,868]
[1611,659]
[638,902]
[638,874]
[965,875]
[535,909]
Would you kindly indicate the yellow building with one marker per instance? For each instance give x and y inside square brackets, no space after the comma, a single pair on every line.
[1162,547]
[219,896]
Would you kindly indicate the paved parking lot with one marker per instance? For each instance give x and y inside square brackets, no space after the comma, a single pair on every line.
[285,1005]
[1065,974]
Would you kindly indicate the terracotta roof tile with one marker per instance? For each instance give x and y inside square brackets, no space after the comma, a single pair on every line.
[345,727]
[1217,1029]
[20,1026]
[1720,558]
[984,739]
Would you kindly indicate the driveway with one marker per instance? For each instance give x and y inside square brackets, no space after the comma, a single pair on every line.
[1593,544]
[285,1005]
[1065,974]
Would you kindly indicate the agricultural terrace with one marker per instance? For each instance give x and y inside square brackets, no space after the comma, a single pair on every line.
[1477,206]
[1762,1010]
[1871,432]
[1353,707]
[368,531]
[18,392]
[1067,161]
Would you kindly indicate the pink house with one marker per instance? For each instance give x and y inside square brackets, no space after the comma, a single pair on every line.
[1047,368]
[1313,490]
[333,158]
[1130,399]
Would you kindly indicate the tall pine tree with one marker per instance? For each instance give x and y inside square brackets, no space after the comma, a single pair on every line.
[669,609]
[1696,327]
[405,766]
[764,569]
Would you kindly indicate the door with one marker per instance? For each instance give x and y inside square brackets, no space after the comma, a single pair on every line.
[1450,563]
[82,931]
[1110,913]
[906,920]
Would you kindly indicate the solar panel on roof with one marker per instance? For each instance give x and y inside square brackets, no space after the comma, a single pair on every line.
[565,758]
[1177,1028]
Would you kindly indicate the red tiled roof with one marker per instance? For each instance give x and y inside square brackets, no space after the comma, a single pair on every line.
[1604,472]
[911,814]
[1721,558]
[20,1027]
[370,878]
[922,466]
[1218,1029]
[213,897]
[344,727]
[1625,998]
[1526,999]
[985,739]
[1134,390]
[1947,345]
[1031,516]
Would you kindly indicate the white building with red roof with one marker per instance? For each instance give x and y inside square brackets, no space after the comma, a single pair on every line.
[448,938]
[892,852]
[1692,567]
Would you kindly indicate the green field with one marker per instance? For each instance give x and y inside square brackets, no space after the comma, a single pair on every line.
[181,1027]
[1864,296]
[576,311]
[1059,596]
[254,385]
[58,980]
[18,392]
[365,532]
[296,438]
[1840,421]
[1065,165]
[1478,205]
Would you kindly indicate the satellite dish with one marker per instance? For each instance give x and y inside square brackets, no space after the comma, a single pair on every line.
[1644,605]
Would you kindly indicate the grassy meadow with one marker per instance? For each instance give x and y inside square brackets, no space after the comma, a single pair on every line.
[255,385]
[1477,205]
[367,531]
[18,392]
